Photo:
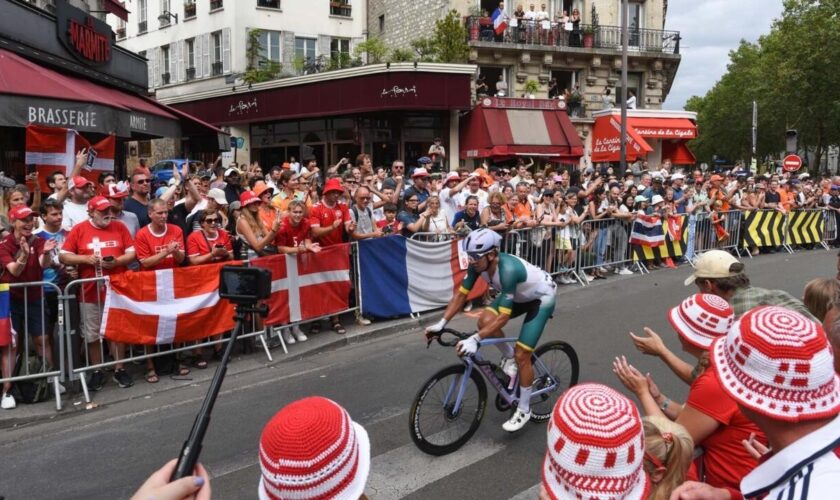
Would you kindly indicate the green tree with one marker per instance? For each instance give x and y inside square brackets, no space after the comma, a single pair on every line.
[402,55]
[374,48]
[450,39]
[259,68]
[425,49]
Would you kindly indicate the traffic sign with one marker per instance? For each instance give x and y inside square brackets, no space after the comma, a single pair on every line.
[792,163]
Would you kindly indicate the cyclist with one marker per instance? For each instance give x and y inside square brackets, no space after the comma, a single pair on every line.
[523,289]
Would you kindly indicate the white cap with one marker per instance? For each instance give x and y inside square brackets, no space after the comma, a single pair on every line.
[218,195]
[656,199]
[677,176]
[231,171]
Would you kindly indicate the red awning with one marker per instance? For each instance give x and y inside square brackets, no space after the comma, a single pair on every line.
[117,8]
[497,132]
[677,151]
[664,128]
[606,142]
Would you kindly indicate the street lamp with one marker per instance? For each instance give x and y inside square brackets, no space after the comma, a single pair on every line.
[166,16]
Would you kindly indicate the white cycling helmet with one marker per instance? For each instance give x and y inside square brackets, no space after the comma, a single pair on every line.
[481,242]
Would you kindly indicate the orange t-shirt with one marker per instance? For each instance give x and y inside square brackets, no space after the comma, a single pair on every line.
[523,210]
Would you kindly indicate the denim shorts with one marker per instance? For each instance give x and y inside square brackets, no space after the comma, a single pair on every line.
[28,316]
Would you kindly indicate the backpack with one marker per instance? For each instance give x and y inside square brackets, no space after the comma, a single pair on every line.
[34,390]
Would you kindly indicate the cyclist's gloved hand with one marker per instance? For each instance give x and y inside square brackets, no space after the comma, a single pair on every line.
[436,328]
[468,347]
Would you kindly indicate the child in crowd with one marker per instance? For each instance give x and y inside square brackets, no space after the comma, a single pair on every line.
[390,224]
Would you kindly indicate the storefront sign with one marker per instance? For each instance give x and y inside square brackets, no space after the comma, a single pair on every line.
[19,111]
[517,103]
[397,91]
[86,37]
[244,107]
[666,133]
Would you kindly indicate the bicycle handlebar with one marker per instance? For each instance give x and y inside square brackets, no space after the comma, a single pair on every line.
[451,343]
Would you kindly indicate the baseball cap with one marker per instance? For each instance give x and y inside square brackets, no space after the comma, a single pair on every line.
[232,171]
[424,160]
[656,199]
[715,264]
[99,203]
[678,176]
[160,191]
[247,198]
[640,198]
[20,212]
[115,190]
[218,196]
[419,172]
[80,182]
[205,174]
[453,176]
[333,185]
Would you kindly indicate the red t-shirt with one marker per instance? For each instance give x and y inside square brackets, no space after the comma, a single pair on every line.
[395,226]
[199,244]
[148,244]
[725,460]
[291,236]
[113,240]
[322,216]
[32,272]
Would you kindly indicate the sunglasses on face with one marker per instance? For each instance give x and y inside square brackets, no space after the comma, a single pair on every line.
[413,200]
[142,181]
[365,198]
[212,221]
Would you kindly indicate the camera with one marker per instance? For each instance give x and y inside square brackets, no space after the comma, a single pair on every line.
[244,285]
[387,230]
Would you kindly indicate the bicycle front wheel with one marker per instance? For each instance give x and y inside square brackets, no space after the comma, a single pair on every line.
[554,363]
[437,426]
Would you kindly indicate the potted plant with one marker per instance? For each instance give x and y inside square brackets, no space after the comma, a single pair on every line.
[588,36]
[531,88]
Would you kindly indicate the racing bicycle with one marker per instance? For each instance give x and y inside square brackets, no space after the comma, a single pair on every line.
[448,409]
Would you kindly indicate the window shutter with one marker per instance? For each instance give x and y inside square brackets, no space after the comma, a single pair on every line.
[226,50]
[205,54]
[150,67]
[156,61]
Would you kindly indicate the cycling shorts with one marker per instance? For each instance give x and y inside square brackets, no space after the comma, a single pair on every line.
[537,313]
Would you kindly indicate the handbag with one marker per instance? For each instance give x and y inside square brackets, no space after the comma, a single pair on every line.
[568,26]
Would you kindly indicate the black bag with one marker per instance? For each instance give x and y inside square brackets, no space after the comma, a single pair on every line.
[34,390]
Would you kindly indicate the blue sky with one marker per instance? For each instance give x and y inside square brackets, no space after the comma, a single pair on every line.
[709,30]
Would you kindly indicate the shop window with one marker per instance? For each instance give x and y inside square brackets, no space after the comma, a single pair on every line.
[144,149]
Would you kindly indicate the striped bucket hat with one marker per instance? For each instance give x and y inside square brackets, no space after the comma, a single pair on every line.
[701,318]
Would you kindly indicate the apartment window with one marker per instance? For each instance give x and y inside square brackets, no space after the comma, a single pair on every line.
[189,9]
[305,48]
[164,65]
[216,39]
[216,4]
[165,6]
[189,49]
[142,25]
[269,4]
[341,8]
[340,52]
[382,23]
[270,46]
[120,32]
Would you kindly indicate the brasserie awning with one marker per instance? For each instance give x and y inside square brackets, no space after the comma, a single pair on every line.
[503,132]
[34,94]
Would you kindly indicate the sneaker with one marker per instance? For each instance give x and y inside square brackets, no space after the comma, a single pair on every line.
[468,307]
[568,280]
[510,367]
[517,421]
[602,269]
[588,277]
[299,335]
[123,379]
[624,271]
[362,321]
[287,336]
[96,381]
[8,402]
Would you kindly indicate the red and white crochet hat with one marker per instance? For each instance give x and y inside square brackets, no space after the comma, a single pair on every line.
[702,318]
[595,447]
[311,449]
[777,362]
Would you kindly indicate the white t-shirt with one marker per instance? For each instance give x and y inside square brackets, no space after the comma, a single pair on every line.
[74,213]
[449,203]
[480,194]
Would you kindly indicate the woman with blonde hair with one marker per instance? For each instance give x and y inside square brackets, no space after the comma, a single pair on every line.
[668,453]
[257,240]
[819,296]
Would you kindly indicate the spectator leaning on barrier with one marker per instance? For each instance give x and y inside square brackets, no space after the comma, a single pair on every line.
[389,225]
[409,217]
[256,239]
[719,273]
[362,216]
[98,247]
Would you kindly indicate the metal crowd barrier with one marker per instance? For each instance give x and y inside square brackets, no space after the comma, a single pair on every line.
[434,236]
[605,243]
[829,235]
[725,235]
[45,345]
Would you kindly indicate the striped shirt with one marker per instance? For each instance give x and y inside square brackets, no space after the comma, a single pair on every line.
[749,297]
[808,468]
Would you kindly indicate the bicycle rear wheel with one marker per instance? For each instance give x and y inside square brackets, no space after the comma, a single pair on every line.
[436,426]
[558,362]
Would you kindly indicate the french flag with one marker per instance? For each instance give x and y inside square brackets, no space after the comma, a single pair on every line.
[647,231]
[499,21]
[401,276]
[6,331]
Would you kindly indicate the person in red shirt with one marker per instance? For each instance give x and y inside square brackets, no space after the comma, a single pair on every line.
[329,220]
[160,246]
[98,247]
[389,225]
[23,258]
[210,244]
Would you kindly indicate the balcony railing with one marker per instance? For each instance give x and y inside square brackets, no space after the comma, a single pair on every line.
[190,74]
[341,9]
[142,27]
[164,77]
[547,33]
[216,68]
[120,33]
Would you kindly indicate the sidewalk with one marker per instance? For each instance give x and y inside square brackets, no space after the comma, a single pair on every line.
[73,402]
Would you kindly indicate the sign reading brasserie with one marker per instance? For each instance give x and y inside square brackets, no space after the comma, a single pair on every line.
[86,37]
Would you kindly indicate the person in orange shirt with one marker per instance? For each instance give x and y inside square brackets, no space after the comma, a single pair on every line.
[787,196]
[523,211]
[289,190]
[267,212]
[718,193]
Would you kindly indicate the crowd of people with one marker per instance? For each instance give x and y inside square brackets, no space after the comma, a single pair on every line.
[760,420]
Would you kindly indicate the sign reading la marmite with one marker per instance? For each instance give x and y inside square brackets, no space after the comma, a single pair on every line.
[86,37]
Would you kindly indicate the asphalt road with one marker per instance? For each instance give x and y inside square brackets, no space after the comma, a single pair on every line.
[107,453]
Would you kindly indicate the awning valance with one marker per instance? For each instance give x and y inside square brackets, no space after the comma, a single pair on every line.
[664,128]
[489,132]
[606,141]
[677,152]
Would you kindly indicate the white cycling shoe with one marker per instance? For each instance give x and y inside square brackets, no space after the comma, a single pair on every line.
[517,421]
[509,367]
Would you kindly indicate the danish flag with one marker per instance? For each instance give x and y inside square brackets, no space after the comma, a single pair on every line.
[55,148]
[307,286]
[165,306]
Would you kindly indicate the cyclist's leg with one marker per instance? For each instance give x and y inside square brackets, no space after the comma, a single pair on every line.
[488,315]
[536,318]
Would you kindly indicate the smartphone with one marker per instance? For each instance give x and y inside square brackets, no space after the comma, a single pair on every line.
[91,158]
[109,258]
[218,245]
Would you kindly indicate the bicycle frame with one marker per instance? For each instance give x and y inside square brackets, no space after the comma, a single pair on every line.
[486,369]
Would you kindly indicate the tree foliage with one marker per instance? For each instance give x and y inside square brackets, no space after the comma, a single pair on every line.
[450,39]
[259,68]
[374,48]
[791,73]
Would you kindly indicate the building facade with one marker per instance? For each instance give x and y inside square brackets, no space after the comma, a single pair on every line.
[531,56]
[198,47]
